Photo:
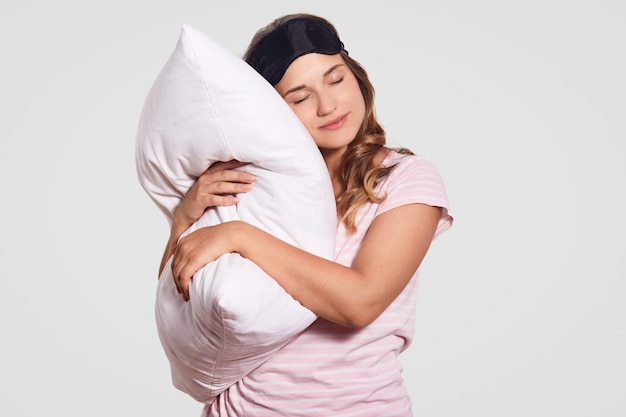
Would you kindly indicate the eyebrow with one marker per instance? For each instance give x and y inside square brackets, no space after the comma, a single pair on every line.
[300,87]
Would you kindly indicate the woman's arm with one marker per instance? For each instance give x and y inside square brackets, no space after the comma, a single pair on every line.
[215,187]
[391,252]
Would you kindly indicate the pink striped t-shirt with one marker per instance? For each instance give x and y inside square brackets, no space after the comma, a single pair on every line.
[332,370]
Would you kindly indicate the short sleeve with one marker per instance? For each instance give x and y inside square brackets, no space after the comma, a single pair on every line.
[415,180]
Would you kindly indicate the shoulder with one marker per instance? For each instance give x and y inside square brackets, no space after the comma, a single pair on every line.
[407,166]
[414,179]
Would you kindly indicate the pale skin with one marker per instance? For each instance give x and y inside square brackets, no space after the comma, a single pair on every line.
[215,187]
[325,96]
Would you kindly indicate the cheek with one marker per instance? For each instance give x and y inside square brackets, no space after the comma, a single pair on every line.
[355,97]
[303,117]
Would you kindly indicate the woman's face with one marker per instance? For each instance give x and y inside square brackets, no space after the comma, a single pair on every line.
[325,96]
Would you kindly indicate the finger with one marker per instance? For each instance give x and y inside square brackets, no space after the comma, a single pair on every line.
[226,171]
[225,187]
[183,287]
[218,194]
[182,270]
[221,200]
[229,175]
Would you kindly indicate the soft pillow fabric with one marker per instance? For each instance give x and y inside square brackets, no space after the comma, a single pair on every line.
[208,105]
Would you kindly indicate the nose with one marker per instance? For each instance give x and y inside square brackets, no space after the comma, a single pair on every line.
[325,104]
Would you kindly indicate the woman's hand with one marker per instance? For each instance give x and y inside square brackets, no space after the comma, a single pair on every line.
[199,248]
[216,186]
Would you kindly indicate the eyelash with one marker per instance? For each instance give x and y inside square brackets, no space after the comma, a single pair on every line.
[332,83]
[301,100]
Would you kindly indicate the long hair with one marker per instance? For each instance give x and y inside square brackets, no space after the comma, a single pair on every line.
[359,174]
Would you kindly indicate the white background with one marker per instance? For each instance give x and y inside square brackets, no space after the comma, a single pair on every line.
[521,104]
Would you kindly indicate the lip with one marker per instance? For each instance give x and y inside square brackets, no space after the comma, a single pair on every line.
[336,123]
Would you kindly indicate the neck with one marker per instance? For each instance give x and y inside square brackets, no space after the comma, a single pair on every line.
[334,160]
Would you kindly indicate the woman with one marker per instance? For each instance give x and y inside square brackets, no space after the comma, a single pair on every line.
[391,204]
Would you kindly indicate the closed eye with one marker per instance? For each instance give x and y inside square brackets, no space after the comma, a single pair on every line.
[301,100]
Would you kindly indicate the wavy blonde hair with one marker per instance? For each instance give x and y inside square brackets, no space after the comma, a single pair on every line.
[359,174]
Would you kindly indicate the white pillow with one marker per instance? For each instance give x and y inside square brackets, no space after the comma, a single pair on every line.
[208,105]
